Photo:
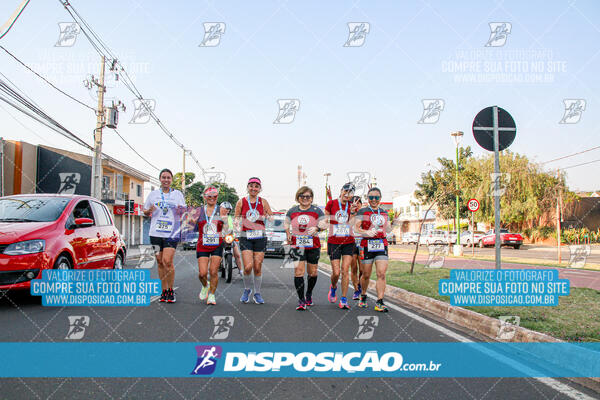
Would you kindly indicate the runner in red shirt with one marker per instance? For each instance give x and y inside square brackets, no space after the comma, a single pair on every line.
[209,250]
[301,227]
[372,223]
[356,264]
[250,212]
[340,242]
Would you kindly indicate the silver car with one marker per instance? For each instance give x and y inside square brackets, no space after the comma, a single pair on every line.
[410,237]
[434,237]
[467,237]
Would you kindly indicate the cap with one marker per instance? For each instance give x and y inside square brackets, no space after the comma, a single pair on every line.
[226,205]
[211,191]
[349,187]
[254,180]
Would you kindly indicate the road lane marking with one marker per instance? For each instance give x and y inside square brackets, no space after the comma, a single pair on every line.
[551,382]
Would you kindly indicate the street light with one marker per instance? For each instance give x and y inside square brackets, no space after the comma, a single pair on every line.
[457,136]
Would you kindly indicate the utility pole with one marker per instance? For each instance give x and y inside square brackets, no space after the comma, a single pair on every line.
[1,166]
[96,184]
[558,217]
[183,175]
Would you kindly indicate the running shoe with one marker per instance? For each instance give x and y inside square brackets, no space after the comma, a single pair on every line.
[163,296]
[363,302]
[331,296]
[356,295]
[258,298]
[359,288]
[308,300]
[379,306]
[171,296]
[211,299]
[204,293]
[245,296]
[344,304]
[301,305]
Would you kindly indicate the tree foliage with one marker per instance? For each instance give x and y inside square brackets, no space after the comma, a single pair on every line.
[194,190]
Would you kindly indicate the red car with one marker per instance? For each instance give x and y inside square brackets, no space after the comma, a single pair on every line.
[506,239]
[43,231]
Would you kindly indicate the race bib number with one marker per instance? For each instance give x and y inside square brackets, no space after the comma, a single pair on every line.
[341,230]
[164,226]
[210,240]
[255,234]
[375,245]
[304,241]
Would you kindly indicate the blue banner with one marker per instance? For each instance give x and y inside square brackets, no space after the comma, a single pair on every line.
[377,359]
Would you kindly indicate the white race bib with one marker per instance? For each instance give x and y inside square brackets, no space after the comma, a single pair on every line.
[374,245]
[254,234]
[164,225]
[210,239]
[304,241]
[341,230]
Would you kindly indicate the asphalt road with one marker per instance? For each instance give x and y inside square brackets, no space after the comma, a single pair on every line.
[23,319]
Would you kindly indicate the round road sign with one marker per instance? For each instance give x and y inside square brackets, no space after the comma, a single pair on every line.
[483,128]
[473,205]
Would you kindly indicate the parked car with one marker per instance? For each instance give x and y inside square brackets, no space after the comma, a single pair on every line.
[506,239]
[467,237]
[391,238]
[192,243]
[452,237]
[410,237]
[434,237]
[276,238]
[46,231]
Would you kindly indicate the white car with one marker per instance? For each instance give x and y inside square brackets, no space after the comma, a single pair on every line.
[434,237]
[410,237]
[467,238]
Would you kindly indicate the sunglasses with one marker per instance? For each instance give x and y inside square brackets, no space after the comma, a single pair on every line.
[374,197]
[211,197]
[305,196]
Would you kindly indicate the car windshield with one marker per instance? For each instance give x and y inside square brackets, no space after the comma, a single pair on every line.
[275,225]
[31,209]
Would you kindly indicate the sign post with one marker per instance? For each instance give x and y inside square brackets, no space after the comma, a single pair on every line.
[487,125]
[129,209]
[473,205]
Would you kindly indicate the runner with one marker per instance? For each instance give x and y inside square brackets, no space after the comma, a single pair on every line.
[301,227]
[372,223]
[356,265]
[340,243]
[235,245]
[211,225]
[165,206]
[251,212]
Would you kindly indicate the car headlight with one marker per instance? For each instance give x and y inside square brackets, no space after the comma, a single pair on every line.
[25,247]
[229,238]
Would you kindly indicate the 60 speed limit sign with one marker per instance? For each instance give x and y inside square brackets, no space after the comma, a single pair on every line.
[473,205]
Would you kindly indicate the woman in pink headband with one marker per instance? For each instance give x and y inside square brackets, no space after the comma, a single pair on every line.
[251,211]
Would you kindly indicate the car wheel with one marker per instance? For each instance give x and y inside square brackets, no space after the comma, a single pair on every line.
[468,244]
[118,262]
[516,246]
[481,244]
[63,262]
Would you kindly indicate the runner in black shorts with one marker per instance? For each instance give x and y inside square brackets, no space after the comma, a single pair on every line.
[301,227]
[356,265]
[251,212]
[340,243]
[211,224]
[372,223]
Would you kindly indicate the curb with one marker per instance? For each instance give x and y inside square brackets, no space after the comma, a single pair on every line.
[490,328]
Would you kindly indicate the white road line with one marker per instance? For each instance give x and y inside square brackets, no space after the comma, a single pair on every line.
[154,298]
[553,383]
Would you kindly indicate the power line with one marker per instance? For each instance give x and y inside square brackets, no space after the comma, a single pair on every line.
[571,155]
[135,151]
[45,80]
[579,165]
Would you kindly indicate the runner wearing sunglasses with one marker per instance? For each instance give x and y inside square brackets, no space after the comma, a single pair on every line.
[301,228]
[251,212]
[355,265]
[211,224]
[372,223]
[340,242]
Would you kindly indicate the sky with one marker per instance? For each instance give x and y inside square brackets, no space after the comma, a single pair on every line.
[360,106]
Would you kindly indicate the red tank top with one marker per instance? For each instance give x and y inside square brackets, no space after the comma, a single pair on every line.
[248,222]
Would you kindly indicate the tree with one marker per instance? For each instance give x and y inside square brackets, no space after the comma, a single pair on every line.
[195,190]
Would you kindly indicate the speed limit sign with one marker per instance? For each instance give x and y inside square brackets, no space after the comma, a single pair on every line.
[473,205]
